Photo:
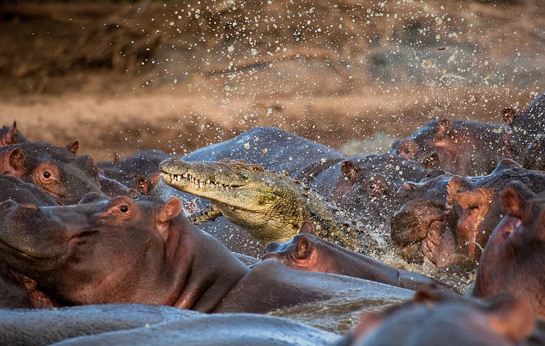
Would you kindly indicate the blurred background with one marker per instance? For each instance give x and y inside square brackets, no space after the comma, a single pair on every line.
[177,75]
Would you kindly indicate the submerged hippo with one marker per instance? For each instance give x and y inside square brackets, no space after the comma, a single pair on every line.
[140,171]
[272,148]
[365,186]
[130,324]
[448,219]
[513,257]
[308,252]
[460,146]
[431,320]
[145,251]
[59,171]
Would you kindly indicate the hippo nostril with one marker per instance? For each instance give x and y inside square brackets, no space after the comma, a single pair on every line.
[405,229]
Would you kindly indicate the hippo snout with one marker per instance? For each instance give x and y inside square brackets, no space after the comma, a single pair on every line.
[406,228]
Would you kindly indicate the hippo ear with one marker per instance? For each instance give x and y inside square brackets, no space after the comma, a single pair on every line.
[408,185]
[513,199]
[509,114]
[510,317]
[368,323]
[36,297]
[431,161]
[308,227]
[170,210]
[145,185]
[349,169]
[73,147]
[13,162]
[117,158]
[303,248]
[443,128]
[428,296]
[10,136]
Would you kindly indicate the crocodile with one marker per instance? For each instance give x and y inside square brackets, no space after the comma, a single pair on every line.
[269,205]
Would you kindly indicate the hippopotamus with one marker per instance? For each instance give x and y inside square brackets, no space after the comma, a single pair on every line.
[11,135]
[432,320]
[150,324]
[511,261]
[448,219]
[460,147]
[140,171]
[58,171]
[144,250]
[366,186]
[13,294]
[308,252]
[272,148]
[527,126]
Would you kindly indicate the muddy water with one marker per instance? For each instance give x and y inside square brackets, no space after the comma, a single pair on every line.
[341,313]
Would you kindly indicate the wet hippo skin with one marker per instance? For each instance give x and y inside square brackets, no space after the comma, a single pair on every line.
[451,321]
[307,252]
[65,176]
[145,251]
[46,326]
[513,258]
[460,146]
[218,329]
[449,218]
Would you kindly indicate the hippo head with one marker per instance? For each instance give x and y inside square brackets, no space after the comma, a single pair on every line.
[448,219]
[432,319]
[441,220]
[300,252]
[421,228]
[368,184]
[139,171]
[425,140]
[111,251]
[528,123]
[514,255]
[62,174]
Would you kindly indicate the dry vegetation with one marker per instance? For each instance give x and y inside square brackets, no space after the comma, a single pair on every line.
[178,75]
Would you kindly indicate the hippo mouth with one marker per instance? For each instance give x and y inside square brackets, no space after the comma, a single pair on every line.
[427,247]
[419,233]
[17,252]
[506,235]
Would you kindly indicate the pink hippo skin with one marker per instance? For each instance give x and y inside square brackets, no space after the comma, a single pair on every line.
[514,256]
[144,251]
[308,252]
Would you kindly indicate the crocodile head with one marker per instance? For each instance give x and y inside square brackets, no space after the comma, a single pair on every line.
[268,204]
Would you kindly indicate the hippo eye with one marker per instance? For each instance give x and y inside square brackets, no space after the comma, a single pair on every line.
[46,174]
[124,208]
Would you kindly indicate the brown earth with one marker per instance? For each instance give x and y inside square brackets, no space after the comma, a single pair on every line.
[121,76]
